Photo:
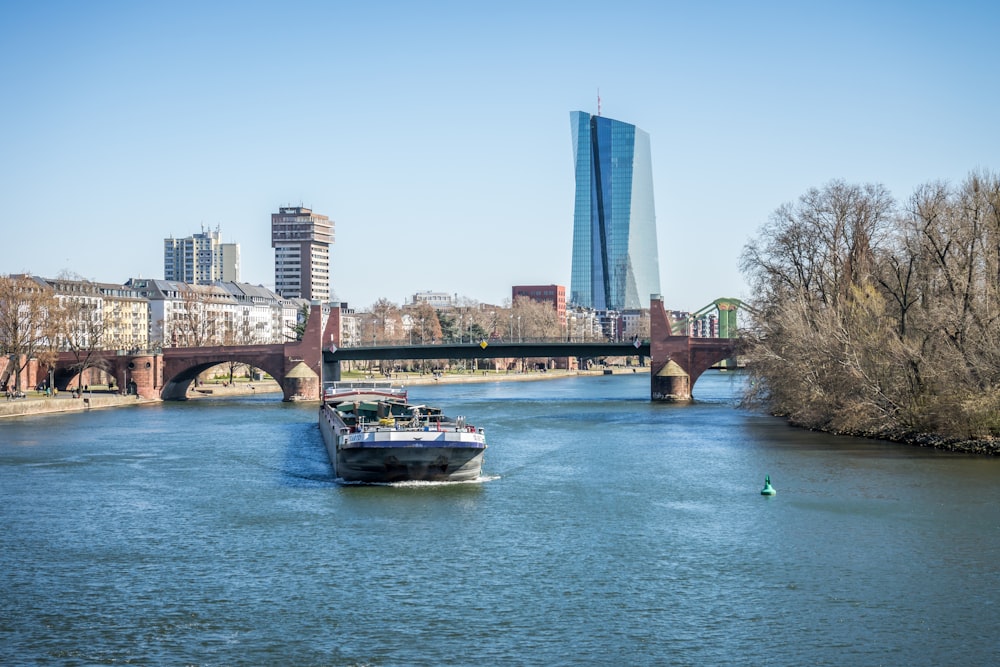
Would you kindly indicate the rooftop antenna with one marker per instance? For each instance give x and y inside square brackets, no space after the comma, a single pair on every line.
[598,101]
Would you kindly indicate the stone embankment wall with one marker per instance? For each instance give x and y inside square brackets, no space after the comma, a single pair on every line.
[21,407]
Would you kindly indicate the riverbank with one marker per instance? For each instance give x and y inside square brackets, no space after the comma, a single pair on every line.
[927,440]
[36,403]
[236,389]
[979,447]
[40,404]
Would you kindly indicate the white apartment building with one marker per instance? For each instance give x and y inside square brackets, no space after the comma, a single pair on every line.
[437,300]
[201,259]
[226,313]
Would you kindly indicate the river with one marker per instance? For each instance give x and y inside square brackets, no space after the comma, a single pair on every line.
[607,530]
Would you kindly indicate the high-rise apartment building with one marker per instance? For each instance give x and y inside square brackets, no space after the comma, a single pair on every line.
[201,259]
[615,263]
[301,240]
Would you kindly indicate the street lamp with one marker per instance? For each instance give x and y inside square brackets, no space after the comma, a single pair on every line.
[371,363]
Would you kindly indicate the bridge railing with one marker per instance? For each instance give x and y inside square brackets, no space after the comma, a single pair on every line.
[726,310]
[503,340]
[116,352]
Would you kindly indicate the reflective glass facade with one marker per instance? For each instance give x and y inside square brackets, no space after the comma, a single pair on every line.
[615,262]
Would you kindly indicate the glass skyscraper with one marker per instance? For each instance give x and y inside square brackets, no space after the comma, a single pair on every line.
[615,262]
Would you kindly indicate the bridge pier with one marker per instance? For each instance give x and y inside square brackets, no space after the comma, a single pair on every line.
[676,362]
[670,383]
[144,375]
[301,383]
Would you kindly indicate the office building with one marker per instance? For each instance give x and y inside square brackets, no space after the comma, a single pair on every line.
[555,295]
[201,259]
[437,300]
[615,264]
[301,240]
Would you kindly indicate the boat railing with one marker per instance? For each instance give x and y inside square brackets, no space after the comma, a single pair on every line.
[425,422]
[360,384]
[357,386]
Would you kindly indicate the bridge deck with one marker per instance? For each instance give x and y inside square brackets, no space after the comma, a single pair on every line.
[490,351]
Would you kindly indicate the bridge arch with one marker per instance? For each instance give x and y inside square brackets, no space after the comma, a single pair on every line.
[677,359]
[181,365]
[62,378]
[135,370]
[178,374]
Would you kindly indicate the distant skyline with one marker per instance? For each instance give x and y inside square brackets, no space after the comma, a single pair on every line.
[435,134]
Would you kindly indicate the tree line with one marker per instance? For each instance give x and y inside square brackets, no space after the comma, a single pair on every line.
[467,321]
[880,318]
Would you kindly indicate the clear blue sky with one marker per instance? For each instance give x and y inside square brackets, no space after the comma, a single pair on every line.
[437,136]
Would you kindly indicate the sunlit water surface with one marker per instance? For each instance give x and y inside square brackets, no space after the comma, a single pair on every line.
[606,530]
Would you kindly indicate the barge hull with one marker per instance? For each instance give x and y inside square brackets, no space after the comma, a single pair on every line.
[431,456]
[397,464]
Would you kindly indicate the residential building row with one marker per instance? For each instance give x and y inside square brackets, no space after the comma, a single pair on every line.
[145,314]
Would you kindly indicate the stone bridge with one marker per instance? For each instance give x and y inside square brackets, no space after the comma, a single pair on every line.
[168,375]
[676,362]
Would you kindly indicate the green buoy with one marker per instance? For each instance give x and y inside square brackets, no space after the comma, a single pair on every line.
[768,490]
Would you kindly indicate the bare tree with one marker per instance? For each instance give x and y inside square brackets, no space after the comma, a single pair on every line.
[193,324]
[813,268]
[879,321]
[382,325]
[953,235]
[536,319]
[242,332]
[388,322]
[426,326]
[83,329]
[28,324]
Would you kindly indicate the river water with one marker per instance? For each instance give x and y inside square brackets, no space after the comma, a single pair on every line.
[607,530]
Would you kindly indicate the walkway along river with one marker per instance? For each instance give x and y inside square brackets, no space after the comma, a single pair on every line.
[609,530]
